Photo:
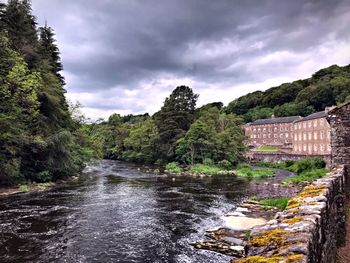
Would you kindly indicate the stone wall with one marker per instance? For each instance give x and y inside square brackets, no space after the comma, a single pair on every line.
[339,119]
[309,230]
[313,225]
[277,157]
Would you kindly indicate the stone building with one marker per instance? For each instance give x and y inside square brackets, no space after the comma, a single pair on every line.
[273,132]
[312,135]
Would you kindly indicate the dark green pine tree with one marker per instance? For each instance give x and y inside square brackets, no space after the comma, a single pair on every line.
[19,24]
[49,51]
[174,119]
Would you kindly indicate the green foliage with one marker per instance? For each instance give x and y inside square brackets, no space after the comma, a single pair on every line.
[37,133]
[308,169]
[244,170]
[214,135]
[307,176]
[280,202]
[326,87]
[174,119]
[204,169]
[23,188]
[225,164]
[173,167]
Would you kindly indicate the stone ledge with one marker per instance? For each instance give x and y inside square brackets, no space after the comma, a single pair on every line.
[309,230]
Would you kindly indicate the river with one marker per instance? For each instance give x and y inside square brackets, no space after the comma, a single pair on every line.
[117,212]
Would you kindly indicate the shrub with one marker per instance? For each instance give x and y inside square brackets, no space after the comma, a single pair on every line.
[208,161]
[23,188]
[225,164]
[204,169]
[44,176]
[173,167]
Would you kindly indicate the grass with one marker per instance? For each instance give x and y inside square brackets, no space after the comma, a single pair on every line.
[306,169]
[268,148]
[205,169]
[307,176]
[23,188]
[280,202]
[173,167]
[245,170]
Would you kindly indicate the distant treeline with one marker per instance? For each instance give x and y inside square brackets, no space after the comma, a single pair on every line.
[178,132]
[37,133]
[327,87]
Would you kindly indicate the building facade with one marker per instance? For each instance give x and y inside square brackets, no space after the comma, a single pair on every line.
[312,135]
[273,132]
[305,136]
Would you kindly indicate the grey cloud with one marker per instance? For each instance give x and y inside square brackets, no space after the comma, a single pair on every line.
[107,44]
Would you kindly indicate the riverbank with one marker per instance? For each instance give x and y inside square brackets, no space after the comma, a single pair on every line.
[33,187]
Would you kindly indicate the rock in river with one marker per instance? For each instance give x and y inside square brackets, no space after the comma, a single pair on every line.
[240,223]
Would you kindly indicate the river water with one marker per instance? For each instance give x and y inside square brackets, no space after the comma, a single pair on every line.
[116,212]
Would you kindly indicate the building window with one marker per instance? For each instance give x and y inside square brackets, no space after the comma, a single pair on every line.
[264,129]
[304,124]
[322,148]
[281,135]
[295,137]
[275,135]
[321,122]
[304,136]
[315,148]
[321,135]
[310,135]
[304,147]
[315,135]
[315,123]
[264,136]
[299,136]
[254,130]
[299,126]
[287,135]
[281,128]
[259,130]
[269,135]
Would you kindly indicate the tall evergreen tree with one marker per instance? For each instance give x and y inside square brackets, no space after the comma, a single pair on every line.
[20,25]
[49,51]
[174,119]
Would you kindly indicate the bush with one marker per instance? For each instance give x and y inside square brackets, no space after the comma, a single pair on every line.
[173,167]
[23,188]
[204,169]
[224,164]
[44,176]
[208,161]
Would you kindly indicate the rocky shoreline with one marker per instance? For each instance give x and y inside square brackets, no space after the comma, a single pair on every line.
[231,239]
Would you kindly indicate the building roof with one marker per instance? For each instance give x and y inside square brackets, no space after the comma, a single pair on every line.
[276,120]
[317,115]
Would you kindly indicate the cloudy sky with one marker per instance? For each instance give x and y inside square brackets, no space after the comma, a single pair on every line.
[126,56]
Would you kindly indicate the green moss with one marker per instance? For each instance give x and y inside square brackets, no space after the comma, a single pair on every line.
[294,202]
[259,259]
[294,258]
[268,148]
[275,236]
[312,191]
[293,220]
